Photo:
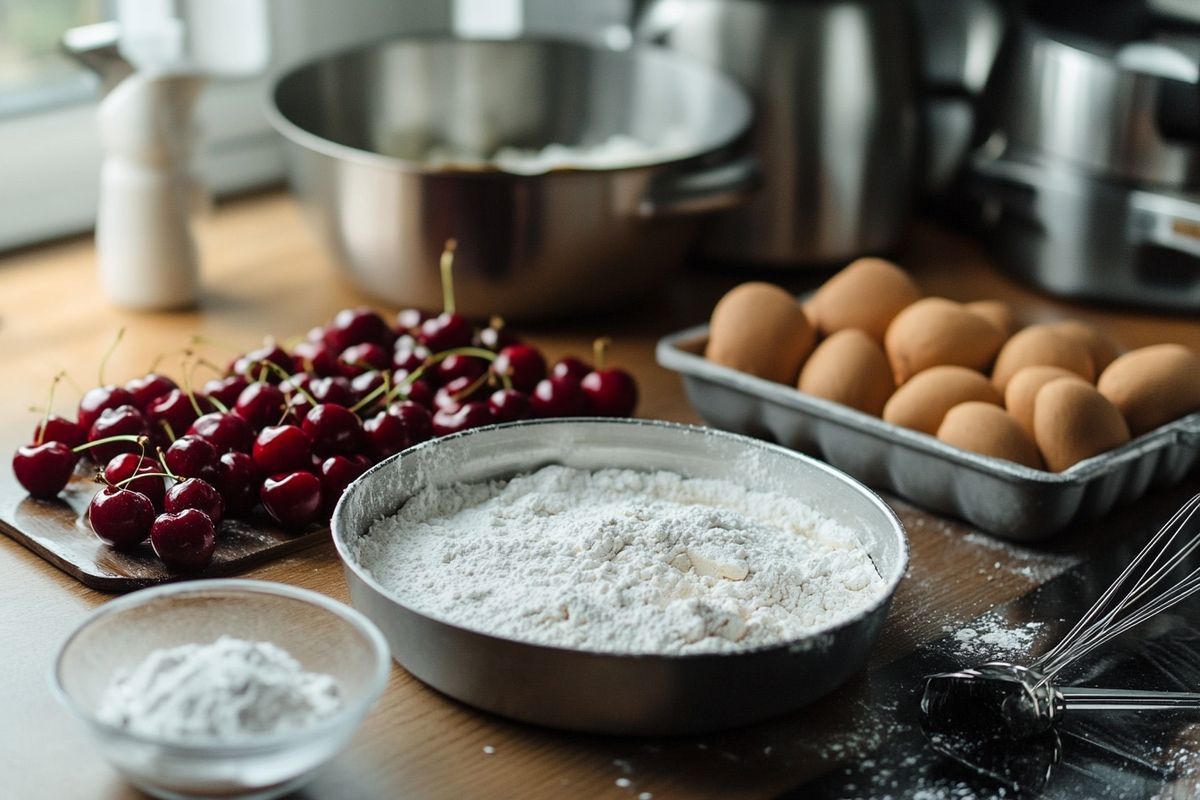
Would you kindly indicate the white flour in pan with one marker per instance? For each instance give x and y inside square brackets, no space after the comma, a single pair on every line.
[621,561]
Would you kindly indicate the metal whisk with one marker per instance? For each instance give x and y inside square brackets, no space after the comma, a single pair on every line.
[1009,699]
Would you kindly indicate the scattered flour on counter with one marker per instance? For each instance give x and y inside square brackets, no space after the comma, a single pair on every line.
[621,561]
[222,691]
[991,637]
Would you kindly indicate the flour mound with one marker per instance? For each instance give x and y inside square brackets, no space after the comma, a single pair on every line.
[621,561]
[223,691]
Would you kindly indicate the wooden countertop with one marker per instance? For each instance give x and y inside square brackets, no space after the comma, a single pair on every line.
[265,273]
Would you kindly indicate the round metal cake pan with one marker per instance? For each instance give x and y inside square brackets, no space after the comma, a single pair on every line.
[606,692]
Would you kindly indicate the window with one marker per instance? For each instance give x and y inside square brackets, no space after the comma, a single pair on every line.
[33,71]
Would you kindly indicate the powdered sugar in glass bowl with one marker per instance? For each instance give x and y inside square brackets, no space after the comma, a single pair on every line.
[324,636]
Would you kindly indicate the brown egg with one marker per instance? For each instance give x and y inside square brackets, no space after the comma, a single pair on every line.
[1153,385]
[866,295]
[986,429]
[998,313]
[1039,345]
[1023,388]
[936,331]
[1100,345]
[760,329]
[1072,421]
[849,368]
[922,403]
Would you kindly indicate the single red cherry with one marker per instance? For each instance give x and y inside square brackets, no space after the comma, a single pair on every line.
[224,431]
[237,480]
[127,465]
[509,405]
[610,392]
[495,337]
[366,384]
[120,421]
[334,430]
[44,469]
[332,390]
[399,428]
[251,367]
[120,517]
[522,364]
[409,354]
[192,457]
[198,494]
[557,397]
[260,404]
[408,320]
[292,499]
[338,472]
[446,331]
[315,357]
[417,391]
[149,387]
[354,326]
[184,540]
[60,429]
[469,415]
[458,391]
[170,415]
[570,368]
[97,400]
[360,358]
[298,406]
[225,390]
[282,448]
[459,366]
[296,383]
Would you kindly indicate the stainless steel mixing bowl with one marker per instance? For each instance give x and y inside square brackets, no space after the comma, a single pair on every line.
[359,124]
[605,692]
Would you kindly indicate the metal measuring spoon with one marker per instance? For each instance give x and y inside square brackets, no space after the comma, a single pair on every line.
[1002,698]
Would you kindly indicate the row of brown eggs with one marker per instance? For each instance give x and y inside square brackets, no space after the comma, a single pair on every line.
[1046,396]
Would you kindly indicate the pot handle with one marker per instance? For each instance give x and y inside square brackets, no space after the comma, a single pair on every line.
[1166,220]
[698,191]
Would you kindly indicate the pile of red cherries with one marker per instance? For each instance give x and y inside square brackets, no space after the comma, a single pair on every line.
[289,429]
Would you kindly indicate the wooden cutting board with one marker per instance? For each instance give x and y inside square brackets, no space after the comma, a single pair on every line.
[57,532]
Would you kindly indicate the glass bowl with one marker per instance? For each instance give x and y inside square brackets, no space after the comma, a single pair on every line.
[320,633]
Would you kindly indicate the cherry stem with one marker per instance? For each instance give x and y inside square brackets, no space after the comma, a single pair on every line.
[447,268]
[186,377]
[167,427]
[381,389]
[599,350]
[74,384]
[496,323]
[284,376]
[419,372]
[122,483]
[472,387]
[201,361]
[49,405]
[199,338]
[108,353]
[122,437]
[162,459]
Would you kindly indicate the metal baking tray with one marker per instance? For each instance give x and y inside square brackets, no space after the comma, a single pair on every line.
[999,497]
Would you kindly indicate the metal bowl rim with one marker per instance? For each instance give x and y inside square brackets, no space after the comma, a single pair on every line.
[892,581]
[327,147]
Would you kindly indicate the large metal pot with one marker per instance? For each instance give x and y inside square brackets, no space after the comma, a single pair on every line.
[833,82]
[528,245]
